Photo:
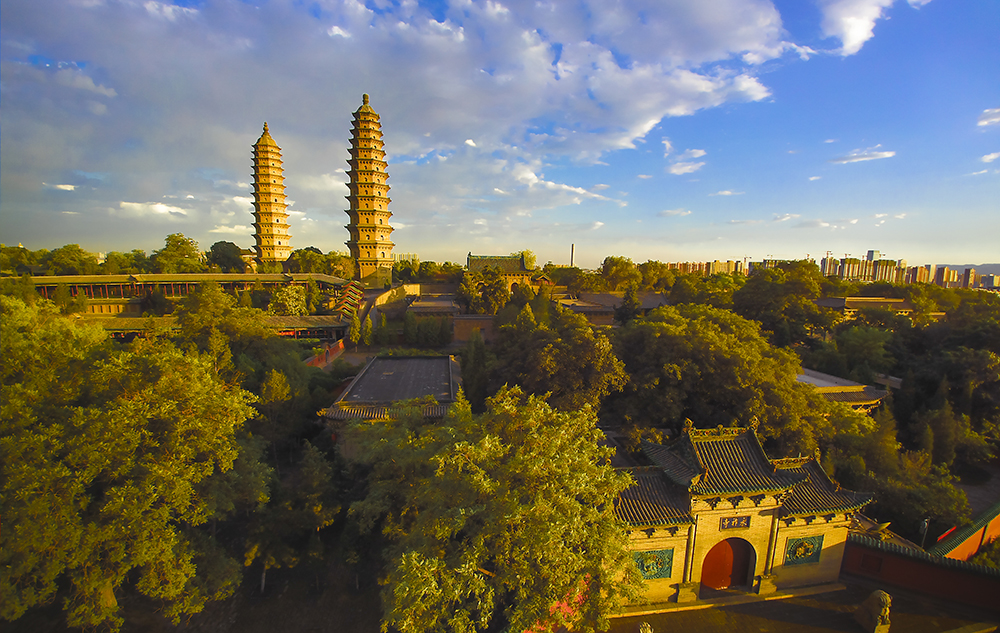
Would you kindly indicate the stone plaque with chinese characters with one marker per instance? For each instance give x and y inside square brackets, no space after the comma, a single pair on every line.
[731,523]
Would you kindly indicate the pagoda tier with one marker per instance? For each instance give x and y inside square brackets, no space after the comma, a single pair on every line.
[370,233]
[273,242]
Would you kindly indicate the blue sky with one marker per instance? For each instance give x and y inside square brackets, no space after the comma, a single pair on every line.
[673,130]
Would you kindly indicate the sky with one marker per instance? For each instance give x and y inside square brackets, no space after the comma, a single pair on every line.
[676,130]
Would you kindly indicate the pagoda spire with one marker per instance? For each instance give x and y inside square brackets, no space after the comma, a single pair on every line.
[270,212]
[370,233]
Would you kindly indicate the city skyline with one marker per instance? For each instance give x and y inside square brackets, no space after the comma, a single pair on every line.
[668,131]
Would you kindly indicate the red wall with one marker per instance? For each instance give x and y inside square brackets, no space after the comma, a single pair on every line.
[923,576]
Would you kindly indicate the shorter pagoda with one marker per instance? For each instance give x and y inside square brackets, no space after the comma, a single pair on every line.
[273,242]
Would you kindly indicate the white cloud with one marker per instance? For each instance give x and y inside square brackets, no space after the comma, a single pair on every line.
[830,140]
[596,225]
[666,213]
[900,216]
[851,21]
[667,147]
[785,217]
[860,155]
[745,221]
[59,187]
[692,153]
[232,230]
[499,191]
[989,158]
[679,169]
[470,142]
[71,213]
[148,210]
[813,224]
[323,182]
[980,172]
[880,215]
[727,192]
[599,187]
[811,178]
[336,30]
[74,78]
[989,117]
[169,12]
[644,176]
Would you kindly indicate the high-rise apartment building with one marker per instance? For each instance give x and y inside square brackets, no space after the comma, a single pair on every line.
[273,242]
[370,233]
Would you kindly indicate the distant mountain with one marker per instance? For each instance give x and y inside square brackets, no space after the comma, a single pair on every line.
[981,269]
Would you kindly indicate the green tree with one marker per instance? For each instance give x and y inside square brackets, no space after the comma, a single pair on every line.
[530,261]
[494,291]
[382,334]
[619,272]
[569,360]
[70,260]
[287,530]
[179,255]
[630,306]
[781,300]
[107,457]
[340,265]
[354,331]
[487,517]
[366,330]
[307,260]
[475,362]
[713,367]
[409,328]
[288,301]
[227,256]
[656,275]
[406,271]
[22,287]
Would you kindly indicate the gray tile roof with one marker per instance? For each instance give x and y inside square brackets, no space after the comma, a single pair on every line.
[653,500]
[817,493]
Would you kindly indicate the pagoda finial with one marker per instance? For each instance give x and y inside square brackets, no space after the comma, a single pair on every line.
[265,126]
[364,99]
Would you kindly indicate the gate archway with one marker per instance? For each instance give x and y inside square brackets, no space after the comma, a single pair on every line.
[728,564]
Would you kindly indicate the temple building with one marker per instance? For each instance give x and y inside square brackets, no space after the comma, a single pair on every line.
[273,243]
[713,512]
[370,233]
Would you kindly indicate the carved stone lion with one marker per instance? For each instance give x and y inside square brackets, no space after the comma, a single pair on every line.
[873,614]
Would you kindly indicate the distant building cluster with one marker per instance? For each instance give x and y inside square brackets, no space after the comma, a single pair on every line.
[874,267]
[710,268]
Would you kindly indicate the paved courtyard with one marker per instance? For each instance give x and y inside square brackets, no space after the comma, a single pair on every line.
[818,613]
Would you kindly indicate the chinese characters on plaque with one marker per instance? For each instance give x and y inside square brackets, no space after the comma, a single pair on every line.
[729,523]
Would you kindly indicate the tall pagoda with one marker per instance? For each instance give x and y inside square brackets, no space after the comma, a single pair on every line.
[269,208]
[370,233]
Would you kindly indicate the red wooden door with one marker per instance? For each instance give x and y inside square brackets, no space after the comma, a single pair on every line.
[727,564]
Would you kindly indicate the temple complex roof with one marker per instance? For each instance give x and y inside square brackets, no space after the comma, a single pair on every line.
[726,461]
[720,461]
[653,500]
[817,493]
[506,263]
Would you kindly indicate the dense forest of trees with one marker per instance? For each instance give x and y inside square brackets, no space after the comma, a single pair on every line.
[180,467]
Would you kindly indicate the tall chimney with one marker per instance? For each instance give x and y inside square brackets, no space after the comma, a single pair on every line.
[572,251]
